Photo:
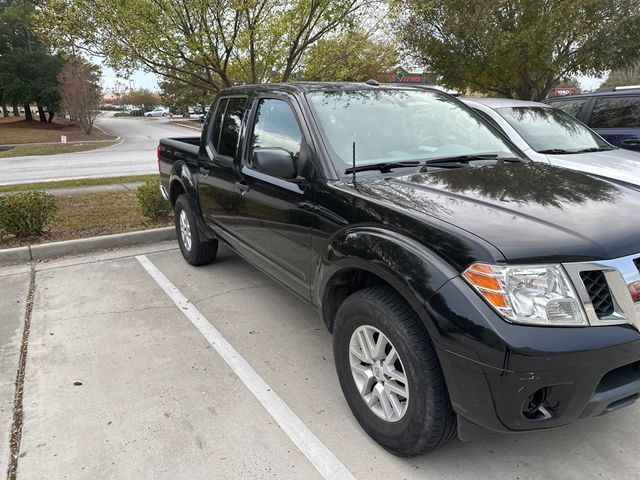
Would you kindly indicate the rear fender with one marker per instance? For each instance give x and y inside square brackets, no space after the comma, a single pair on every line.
[181,181]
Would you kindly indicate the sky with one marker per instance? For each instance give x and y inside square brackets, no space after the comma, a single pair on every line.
[141,79]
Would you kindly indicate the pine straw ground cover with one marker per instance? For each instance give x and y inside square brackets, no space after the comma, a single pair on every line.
[15,130]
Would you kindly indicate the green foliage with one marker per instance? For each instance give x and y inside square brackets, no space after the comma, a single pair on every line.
[518,48]
[353,56]
[624,76]
[28,70]
[150,200]
[141,96]
[204,44]
[179,95]
[26,213]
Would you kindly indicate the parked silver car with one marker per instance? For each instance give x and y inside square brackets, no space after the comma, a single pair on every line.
[547,134]
[158,112]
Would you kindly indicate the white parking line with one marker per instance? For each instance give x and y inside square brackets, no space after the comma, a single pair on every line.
[318,454]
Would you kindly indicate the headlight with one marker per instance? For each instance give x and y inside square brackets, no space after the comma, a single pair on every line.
[532,294]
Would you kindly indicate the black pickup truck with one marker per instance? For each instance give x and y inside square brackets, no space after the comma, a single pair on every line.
[467,289]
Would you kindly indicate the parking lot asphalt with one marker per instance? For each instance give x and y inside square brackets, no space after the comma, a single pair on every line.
[120,383]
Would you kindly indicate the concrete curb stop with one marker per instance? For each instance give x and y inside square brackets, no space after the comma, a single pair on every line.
[11,256]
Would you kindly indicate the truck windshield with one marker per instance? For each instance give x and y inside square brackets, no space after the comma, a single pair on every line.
[400,125]
[549,130]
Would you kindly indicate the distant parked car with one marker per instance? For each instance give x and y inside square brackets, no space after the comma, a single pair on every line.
[614,113]
[549,135]
[158,112]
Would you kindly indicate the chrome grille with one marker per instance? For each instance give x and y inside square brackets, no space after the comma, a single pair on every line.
[599,293]
[608,289]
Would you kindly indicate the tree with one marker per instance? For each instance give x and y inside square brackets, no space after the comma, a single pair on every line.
[353,56]
[80,92]
[28,70]
[141,96]
[624,76]
[205,44]
[518,48]
[180,96]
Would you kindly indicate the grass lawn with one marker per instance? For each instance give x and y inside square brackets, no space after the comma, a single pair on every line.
[81,216]
[51,149]
[14,130]
[79,182]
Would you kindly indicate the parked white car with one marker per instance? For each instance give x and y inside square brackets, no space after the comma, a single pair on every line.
[547,134]
[158,112]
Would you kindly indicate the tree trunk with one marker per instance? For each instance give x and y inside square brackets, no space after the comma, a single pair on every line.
[43,117]
[16,110]
[51,115]
[27,113]
[5,111]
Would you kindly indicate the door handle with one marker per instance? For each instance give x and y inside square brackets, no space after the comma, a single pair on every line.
[242,187]
[205,170]
[631,141]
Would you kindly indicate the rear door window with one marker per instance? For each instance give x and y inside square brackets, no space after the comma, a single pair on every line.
[572,107]
[615,112]
[217,123]
[231,123]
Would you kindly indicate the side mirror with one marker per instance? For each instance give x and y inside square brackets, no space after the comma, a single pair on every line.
[276,162]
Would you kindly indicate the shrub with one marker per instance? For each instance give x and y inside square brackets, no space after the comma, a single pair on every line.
[26,213]
[150,199]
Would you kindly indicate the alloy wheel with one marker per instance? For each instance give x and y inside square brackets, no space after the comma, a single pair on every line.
[378,373]
[185,230]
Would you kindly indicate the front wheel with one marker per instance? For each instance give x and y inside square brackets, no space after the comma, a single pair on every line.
[389,373]
[195,250]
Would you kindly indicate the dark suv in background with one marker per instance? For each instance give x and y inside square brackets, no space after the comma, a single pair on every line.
[614,113]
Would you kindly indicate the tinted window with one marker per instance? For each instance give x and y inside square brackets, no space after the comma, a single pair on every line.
[547,128]
[217,123]
[400,125]
[276,126]
[572,107]
[231,126]
[615,112]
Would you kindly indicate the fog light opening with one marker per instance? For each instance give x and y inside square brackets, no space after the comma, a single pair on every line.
[534,406]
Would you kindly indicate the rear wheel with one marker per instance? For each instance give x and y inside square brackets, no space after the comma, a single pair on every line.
[389,373]
[195,249]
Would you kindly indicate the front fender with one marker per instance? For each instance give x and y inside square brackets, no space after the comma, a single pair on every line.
[405,264]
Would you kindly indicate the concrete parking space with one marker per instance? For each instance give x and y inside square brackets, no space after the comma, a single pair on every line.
[120,384]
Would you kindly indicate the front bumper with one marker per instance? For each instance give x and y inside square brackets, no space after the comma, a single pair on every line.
[513,378]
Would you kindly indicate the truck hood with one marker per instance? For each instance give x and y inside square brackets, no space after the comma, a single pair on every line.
[531,212]
[619,164]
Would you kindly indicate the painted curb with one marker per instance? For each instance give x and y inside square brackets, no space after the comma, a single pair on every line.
[12,256]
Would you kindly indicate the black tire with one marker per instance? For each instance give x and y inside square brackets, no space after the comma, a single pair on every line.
[429,420]
[203,251]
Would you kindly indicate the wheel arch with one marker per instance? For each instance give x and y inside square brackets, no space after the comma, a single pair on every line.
[181,181]
[365,256]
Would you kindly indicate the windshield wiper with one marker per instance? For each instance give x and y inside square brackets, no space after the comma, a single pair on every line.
[462,160]
[556,151]
[383,167]
[594,149]
[562,151]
